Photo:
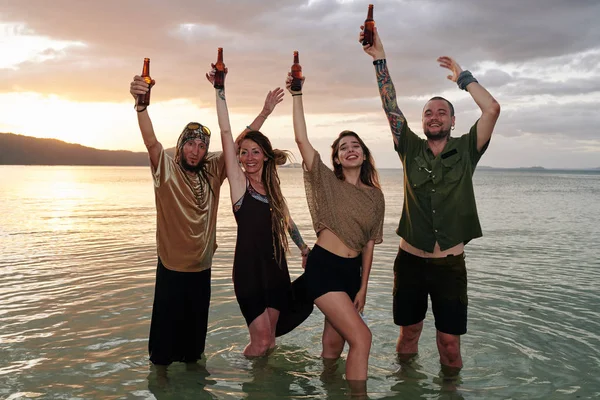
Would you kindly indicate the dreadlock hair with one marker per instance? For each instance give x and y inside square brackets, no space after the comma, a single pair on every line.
[271,182]
[368,172]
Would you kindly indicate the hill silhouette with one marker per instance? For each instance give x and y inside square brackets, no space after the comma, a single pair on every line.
[27,150]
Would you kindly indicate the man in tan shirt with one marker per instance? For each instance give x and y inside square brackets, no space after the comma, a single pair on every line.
[186,190]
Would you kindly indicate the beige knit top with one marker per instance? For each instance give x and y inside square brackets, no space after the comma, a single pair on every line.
[354,214]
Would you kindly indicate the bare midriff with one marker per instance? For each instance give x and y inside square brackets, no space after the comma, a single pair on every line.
[437,252]
[330,242]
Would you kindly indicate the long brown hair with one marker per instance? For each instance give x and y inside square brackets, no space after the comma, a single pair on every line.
[270,179]
[368,172]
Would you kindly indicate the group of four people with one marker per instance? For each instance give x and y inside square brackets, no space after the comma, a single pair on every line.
[346,204]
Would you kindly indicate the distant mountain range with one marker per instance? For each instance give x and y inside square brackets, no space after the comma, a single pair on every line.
[27,150]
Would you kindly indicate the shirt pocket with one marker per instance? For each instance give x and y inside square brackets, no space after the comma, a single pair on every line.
[419,173]
[453,168]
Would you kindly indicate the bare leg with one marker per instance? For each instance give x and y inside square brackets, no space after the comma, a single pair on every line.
[449,349]
[333,342]
[342,315]
[273,318]
[408,340]
[260,336]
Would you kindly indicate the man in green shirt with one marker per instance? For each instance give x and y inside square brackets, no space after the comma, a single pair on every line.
[439,215]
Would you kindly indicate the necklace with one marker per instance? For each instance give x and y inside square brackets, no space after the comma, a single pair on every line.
[197,188]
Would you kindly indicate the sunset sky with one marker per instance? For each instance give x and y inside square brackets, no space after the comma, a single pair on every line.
[66,65]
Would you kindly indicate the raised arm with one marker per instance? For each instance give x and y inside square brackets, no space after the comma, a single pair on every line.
[386,87]
[367,260]
[273,98]
[138,86]
[306,149]
[490,109]
[235,175]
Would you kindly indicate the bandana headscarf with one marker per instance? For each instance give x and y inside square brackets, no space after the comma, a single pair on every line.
[193,130]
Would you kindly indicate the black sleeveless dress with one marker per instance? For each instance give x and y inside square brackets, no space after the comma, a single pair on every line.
[258,280]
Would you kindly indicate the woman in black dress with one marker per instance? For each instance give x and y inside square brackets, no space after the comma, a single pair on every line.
[260,274]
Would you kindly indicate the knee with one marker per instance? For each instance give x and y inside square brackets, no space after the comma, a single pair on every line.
[410,333]
[450,349]
[361,338]
[333,345]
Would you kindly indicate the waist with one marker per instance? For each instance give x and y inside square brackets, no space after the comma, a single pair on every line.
[437,252]
[325,257]
[333,244]
[449,260]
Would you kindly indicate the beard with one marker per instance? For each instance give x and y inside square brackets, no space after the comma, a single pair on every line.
[190,168]
[441,135]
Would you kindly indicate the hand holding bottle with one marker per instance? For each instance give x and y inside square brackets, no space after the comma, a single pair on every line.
[288,84]
[375,50]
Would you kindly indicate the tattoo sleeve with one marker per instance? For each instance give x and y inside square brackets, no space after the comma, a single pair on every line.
[221,93]
[388,100]
[295,234]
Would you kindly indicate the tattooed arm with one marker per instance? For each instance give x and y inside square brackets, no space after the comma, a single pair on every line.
[297,237]
[386,87]
[294,233]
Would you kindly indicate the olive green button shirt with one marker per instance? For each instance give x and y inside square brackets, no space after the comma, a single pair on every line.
[439,201]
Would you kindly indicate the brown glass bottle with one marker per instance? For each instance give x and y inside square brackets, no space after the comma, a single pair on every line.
[220,70]
[296,74]
[144,99]
[369,25]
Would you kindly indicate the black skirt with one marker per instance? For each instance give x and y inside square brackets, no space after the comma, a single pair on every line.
[179,315]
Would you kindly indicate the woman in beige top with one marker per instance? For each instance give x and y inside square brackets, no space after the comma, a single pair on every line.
[347,208]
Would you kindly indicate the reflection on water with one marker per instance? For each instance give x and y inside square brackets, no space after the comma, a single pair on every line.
[77,274]
[181,381]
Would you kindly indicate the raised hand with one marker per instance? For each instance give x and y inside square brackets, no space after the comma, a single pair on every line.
[448,62]
[376,49]
[138,86]
[273,98]
[210,75]
[288,83]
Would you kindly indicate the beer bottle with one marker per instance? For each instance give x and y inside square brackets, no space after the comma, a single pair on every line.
[220,70]
[144,99]
[296,74]
[369,25]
